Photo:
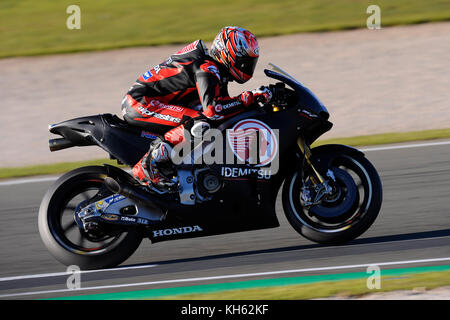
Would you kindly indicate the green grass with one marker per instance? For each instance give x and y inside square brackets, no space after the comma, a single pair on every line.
[301,287]
[349,288]
[30,27]
[387,138]
[377,139]
[46,169]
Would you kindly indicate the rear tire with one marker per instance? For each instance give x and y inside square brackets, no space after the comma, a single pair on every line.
[59,204]
[360,212]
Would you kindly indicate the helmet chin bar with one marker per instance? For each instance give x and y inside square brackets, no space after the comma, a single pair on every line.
[236,77]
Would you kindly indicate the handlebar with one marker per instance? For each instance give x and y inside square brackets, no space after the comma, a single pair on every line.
[279,93]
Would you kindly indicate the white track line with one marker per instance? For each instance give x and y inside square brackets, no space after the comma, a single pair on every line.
[30,180]
[60,274]
[233,276]
[406,146]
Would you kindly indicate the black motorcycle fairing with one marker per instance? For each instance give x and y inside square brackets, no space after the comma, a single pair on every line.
[306,99]
[123,142]
[241,205]
[307,107]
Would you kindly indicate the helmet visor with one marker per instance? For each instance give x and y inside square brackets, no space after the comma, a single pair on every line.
[246,64]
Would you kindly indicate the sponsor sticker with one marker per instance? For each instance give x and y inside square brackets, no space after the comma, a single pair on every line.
[253,141]
[174,231]
[110,217]
[169,61]
[307,114]
[128,219]
[159,104]
[148,135]
[234,172]
[165,117]
[231,105]
[147,75]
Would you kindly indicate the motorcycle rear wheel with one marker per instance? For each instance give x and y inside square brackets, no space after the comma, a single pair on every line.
[69,243]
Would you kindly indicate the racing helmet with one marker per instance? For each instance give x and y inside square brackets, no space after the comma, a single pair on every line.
[237,49]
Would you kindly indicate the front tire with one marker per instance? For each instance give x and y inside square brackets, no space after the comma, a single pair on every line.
[68,243]
[348,215]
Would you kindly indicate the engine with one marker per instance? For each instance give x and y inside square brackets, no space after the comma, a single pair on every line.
[207,183]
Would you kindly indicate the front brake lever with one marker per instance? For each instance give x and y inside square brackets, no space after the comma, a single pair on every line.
[278,98]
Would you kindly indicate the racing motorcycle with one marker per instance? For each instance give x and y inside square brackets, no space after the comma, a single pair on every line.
[96,216]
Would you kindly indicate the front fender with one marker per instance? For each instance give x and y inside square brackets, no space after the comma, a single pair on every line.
[326,148]
[337,148]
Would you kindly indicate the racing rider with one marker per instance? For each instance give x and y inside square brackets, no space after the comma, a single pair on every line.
[163,99]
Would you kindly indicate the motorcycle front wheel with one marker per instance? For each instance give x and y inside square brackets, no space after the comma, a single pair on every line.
[351,210]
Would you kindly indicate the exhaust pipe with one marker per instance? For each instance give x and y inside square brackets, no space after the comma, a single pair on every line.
[60,144]
[135,194]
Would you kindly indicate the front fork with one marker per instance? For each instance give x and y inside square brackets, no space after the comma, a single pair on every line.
[320,186]
[304,148]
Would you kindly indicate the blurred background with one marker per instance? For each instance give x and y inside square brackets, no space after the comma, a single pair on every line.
[372,81]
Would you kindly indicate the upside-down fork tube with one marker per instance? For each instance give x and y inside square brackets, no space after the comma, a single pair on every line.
[307,154]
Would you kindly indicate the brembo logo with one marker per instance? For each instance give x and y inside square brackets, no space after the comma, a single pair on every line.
[173,231]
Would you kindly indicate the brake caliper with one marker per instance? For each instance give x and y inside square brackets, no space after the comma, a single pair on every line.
[313,193]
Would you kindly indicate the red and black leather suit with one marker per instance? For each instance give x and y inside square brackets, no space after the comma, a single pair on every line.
[163,99]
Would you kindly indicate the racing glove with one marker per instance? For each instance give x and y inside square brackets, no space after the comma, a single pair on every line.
[262,94]
[226,107]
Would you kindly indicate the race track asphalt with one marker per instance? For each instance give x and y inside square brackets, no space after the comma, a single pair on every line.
[414,224]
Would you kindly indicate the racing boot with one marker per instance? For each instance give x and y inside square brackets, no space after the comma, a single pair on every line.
[147,171]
